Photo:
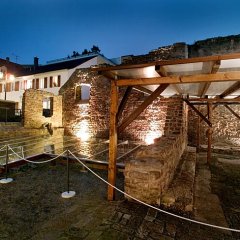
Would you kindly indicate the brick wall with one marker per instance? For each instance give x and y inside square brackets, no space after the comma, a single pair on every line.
[33,109]
[226,127]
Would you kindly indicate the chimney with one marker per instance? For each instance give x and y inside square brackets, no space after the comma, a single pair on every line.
[7,59]
[35,63]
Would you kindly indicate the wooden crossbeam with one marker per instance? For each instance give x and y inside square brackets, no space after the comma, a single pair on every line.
[209,153]
[123,102]
[198,112]
[203,89]
[232,111]
[198,78]
[170,62]
[112,140]
[143,89]
[161,71]
[142,107]
[215,65]
[230,90]
[215,100]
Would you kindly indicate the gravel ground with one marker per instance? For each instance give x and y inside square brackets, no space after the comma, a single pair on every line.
[32,208]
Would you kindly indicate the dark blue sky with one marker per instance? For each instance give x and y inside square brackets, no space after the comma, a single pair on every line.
[52,29]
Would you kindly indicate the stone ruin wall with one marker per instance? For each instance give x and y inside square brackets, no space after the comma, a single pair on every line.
[149,175]
[226,126]
[33,109]
[160,118]
[207,47]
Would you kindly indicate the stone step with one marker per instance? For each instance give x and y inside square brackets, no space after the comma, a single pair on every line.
[179,196]
[207,207]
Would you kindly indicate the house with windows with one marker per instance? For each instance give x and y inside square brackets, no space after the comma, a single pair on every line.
[49,77]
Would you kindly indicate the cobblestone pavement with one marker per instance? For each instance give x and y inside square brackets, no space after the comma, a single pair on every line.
[31,208]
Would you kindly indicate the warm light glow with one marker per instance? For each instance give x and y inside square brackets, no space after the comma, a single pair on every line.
[151,136]
[11,77]
[83,131]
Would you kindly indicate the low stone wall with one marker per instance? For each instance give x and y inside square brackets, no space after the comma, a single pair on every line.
[149,175]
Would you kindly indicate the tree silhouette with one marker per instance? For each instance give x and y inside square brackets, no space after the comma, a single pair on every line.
[95,49]
[85,51]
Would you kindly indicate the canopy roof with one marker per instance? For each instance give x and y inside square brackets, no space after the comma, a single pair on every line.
[196,77]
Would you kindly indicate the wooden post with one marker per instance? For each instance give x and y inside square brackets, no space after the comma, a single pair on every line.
[209,153]
[198,133]
[112,140]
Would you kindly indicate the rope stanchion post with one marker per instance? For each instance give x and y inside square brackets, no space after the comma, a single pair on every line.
[6,179]
[68,193]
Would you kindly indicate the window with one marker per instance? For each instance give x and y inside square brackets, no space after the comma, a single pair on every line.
[56,81]
[51,82]
[37,83]
[16,86]
[45,82]
[41,83]
[82,92]
[29,84]
[8,87]
[33,83]
[59,80]
[48,107]
[1,88]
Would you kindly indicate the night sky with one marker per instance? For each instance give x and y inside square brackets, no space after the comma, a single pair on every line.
[53,29]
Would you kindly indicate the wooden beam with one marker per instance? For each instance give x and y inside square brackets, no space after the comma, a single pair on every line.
[232,111]
[142,107]
[112,140]
[214,100]
[161,71]
[203,89]
[170,62]
[198,133]
[207,113]
[198,112]
[197,78]
[123,102]
[230,90]
[209,153]
[216,65]
[143,89]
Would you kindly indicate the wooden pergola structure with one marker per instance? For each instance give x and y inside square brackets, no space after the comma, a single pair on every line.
[206,81]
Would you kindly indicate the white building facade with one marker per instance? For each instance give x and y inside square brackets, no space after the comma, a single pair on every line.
[50,77]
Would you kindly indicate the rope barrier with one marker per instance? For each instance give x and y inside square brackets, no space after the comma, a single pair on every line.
[148,205]
[36,162]
[1,149]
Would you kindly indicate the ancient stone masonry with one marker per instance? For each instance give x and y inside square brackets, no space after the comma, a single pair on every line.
[92,117]
[86,117]
[226,127]
[207,47]
[33,109]
[215,46]
[148,176]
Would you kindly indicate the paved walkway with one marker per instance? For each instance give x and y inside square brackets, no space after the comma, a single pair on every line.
[31,208]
